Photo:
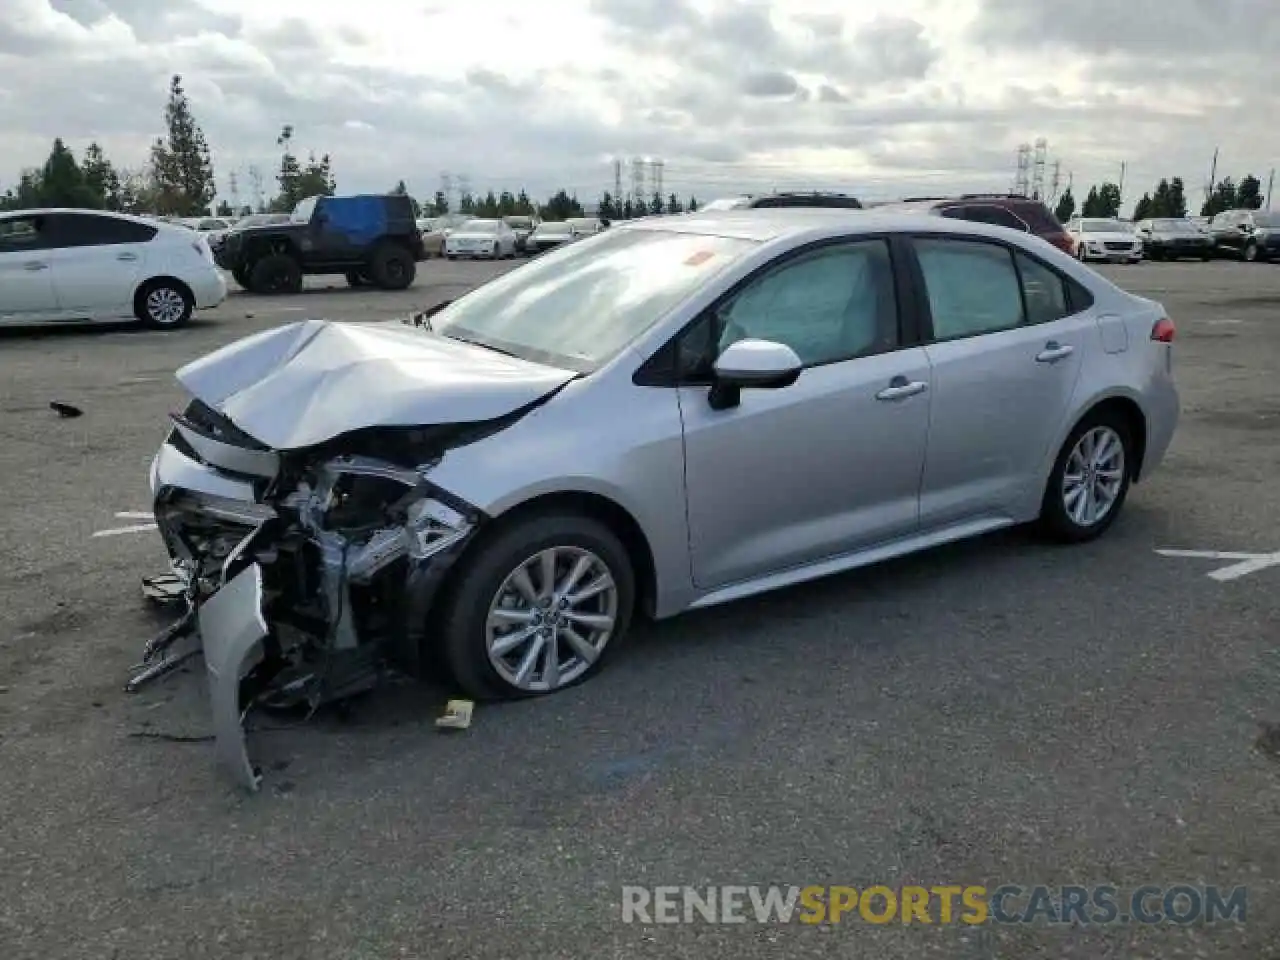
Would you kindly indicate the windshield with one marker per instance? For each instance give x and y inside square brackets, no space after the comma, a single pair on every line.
[579,306]
[1103,226]
[1174,226]
[479,226]
[727,203]
[518,223]
[1269,220]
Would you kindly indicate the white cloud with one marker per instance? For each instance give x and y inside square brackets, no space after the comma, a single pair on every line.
[877,98]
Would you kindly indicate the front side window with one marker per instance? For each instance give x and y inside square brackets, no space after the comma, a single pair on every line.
[973,287]
[580,305]
[831,304]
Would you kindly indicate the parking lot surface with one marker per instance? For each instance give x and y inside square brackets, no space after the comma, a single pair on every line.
[1001,711]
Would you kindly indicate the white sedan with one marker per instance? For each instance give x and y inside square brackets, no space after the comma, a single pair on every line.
[1105,238]
[69,265]
[490,239]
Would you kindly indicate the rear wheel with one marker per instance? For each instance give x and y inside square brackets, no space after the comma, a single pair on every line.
[278,273]
[536,609]
[1090,479]
[164,304]
[392,267]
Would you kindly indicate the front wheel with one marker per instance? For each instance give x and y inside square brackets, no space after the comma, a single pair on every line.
[392,267]
[1090,480]
[537,607]
[276,274]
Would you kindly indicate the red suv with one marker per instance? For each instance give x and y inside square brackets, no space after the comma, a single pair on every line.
[1001,210]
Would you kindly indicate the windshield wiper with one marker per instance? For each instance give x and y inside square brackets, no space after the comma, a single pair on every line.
[486,346]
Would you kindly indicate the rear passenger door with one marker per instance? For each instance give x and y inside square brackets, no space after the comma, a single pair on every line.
[1005,337]
[98,262]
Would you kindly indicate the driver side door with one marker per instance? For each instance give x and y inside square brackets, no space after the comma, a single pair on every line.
[825,466]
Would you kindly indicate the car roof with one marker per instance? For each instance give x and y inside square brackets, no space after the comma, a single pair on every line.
[811,222]
[46,211]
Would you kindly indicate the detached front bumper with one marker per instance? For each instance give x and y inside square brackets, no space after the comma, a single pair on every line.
[295,597]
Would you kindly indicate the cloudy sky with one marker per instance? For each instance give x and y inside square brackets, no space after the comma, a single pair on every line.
[877,97]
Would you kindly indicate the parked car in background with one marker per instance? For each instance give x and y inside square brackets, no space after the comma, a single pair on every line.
[585,226]
[214,228]
[1251,235]
[785,199]
[1012,211]
[69,265]
[521,226]
[482,238]
[666,416]
[1105,238]
[548,235]
[245,222]
[371,239]
[438,230]
[1171,238]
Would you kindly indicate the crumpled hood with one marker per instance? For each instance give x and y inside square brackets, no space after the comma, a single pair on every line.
[308,382]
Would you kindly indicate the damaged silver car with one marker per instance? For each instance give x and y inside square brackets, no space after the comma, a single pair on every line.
[672,414]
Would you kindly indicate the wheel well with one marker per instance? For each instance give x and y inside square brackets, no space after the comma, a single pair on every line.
[1131,415]
[152,281]
[613,516]
[268,247]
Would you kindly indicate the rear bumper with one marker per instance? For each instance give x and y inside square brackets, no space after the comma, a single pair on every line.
[1164,408]
[210,290]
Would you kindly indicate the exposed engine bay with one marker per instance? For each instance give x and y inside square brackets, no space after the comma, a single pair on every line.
[304,575]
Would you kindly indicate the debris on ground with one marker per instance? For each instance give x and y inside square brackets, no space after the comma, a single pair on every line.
[65,410]
[457,715]
[1268,741]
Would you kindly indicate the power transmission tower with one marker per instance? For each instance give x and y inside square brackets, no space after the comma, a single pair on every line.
[1022,179]
[446,187]
[1057,181]
[464,187]
[1037,179]
[637,179]
[233,188]
[655,170]
[255,184]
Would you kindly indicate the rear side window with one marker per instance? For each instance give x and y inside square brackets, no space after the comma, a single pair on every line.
[90,230]
[1037,216]
[24,233]
[973,287]
[1043,290]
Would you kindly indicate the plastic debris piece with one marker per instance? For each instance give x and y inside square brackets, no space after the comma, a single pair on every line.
[163,588]
[65,409]
[457,715]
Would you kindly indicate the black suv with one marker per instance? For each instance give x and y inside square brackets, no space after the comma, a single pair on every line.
[1013,211]
[372,239]
[775,200]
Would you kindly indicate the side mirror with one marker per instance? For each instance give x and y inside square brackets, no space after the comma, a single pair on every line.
[752,364]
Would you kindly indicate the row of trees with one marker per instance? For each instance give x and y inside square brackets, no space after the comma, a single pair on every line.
[1167,200]
[560,206]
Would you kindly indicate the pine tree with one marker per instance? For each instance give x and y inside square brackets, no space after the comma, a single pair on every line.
[673,204]
[181,168]
[1066,208]
[1144,207]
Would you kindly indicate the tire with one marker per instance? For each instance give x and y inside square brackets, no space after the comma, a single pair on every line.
[1205,258]
[278,273]
[356,279]
[163,304]
[483,581]
[241,276]
[1056,519]
[392,267]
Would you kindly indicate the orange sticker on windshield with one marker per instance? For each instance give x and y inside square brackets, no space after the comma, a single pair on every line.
[702,256]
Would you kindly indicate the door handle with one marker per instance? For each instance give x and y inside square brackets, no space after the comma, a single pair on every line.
[1053,352]
[35,265]
[127,256]
[900,388]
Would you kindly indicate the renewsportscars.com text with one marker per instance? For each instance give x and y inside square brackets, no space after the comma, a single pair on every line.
[1180,904]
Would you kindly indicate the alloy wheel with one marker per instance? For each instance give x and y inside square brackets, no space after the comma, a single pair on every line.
[165,306]
[551,619]
[1094,476]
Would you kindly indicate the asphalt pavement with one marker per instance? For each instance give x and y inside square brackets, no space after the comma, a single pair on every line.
[1000,711]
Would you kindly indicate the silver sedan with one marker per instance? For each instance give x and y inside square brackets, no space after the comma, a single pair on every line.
[672,414]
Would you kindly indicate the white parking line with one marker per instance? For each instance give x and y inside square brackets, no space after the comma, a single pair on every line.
[116,531]
[1246,563]
[135,515]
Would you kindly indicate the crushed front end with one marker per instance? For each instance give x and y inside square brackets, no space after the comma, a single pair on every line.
[305,575]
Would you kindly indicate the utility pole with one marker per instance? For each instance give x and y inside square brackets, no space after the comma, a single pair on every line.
[1213,176]
[255,182]
[1123,167]
[234,190]
[617,181]
[1271,182]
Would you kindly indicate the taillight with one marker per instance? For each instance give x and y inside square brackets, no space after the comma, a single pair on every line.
[1163,331]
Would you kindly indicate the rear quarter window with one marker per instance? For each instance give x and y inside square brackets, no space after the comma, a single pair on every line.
[1037,216]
